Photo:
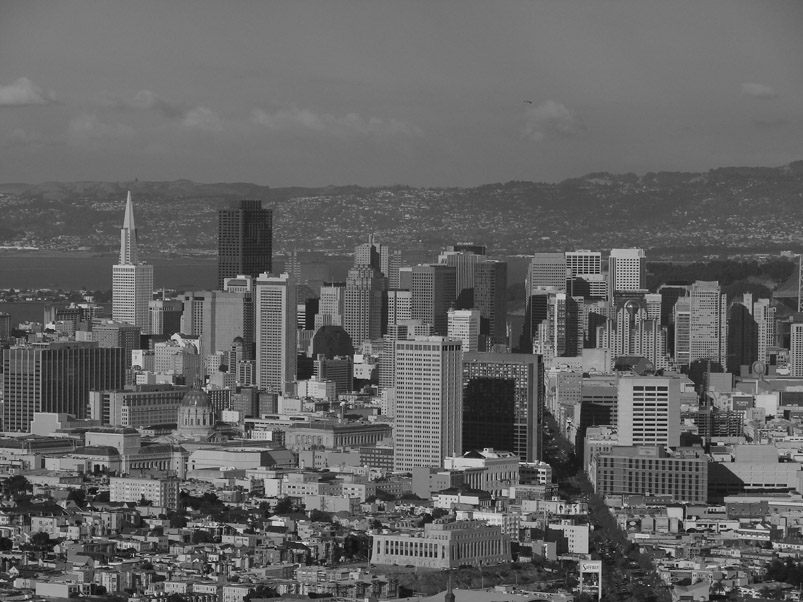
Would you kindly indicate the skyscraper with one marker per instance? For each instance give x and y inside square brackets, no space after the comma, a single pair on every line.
[463,258]
[364,303]
[648,411]
[275,332]
[796,349]
[433,292]
[503,403]
[764,315]
[743,337]
[627,271]
[708,323]
[490,298]
[429,397]
[132,281]
[219,317]
[57,378]
[245,241]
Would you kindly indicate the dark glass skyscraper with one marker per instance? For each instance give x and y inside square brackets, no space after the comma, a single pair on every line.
[245,240]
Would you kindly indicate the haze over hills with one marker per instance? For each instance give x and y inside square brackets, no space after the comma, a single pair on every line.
[737,210]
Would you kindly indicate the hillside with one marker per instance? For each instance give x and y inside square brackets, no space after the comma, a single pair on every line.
[723,211]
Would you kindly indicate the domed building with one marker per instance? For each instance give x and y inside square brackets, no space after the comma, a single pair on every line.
[196,417]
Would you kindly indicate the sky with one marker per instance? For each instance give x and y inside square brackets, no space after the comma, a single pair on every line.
[380,92]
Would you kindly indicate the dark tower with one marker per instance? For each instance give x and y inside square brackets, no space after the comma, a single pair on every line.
[244,241]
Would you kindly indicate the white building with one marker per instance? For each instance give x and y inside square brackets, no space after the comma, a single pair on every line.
[132,281]
[708,323]
[429,401]
[275,321]
[648,411]
[796,349]
[161,492]
[627,271]
[464,324]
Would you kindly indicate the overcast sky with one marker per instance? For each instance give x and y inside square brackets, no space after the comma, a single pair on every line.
[432,93]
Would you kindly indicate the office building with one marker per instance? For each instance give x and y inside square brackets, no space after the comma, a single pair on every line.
[275,318]
[245,240]
[404,330]
[56,378]
[399,306]
[136,406]
[132,281]
[165,316]
[217,318]
[433,292]
[490,298]
[764,315]
[648,411]
[679,477]
[548,271]
[503,403]
[331,304]
[681,318]
[586,274]
[464,324]
[796,349]
[389,264]
[463,263]
[363,304]
[708,323]
[108,333]
[743,338]
[627,271]
[429,401]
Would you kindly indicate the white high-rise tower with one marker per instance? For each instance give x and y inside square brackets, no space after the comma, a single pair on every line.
[429,401]
[275,319]
[132,281]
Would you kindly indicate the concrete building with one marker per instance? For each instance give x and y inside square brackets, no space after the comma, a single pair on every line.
[444,545]
[136,406]
[651,470]
[648,411]
[161,492]
[627,271]
[486,469]
[429,400]
[132,280]
[490,298]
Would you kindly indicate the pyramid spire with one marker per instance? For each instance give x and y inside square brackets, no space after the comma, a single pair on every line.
[129,254]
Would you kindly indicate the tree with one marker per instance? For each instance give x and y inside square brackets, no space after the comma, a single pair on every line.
[284,506]
[16,486]
[201,536]
[177,520]
[78,496]
[6,544]
[143,501]
[319,516]
[41,541]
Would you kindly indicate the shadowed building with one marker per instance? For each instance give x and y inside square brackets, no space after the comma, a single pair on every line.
[245,241]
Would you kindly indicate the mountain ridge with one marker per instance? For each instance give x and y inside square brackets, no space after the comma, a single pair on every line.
[729,210]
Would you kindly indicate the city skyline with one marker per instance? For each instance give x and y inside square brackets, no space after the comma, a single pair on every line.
[319,94]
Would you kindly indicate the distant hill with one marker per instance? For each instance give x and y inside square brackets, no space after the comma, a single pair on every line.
[731,210]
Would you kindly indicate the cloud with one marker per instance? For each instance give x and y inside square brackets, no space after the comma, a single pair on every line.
[182,113]
[148,101]
[24,93]
[550,119]
[351,124]
[88,129]
[759,91]
[202,118]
